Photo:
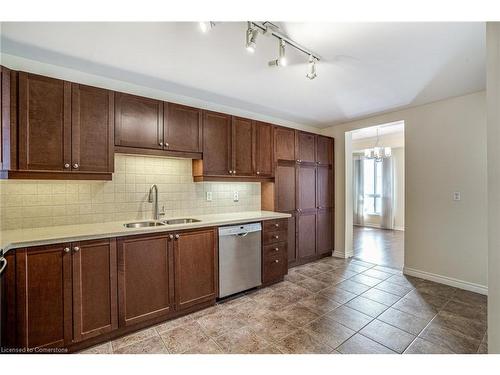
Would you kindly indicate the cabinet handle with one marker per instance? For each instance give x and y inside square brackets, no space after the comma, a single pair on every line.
[76,166]
[4,264]
[276,261]
[161,144]
[177,236]
[76,249]
[66,249]
[66,166]
[171,236]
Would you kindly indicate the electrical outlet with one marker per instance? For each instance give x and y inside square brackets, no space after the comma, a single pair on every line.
[456,196]
[236,196]
[209,196]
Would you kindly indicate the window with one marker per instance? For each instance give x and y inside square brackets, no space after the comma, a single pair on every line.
[372,186]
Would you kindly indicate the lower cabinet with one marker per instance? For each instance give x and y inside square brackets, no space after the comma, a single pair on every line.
[274,251]
[65,293]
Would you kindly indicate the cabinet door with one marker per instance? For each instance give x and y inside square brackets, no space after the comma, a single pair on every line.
[324,191]
[92,129]
[95,309]
[138,122]
[263,149]
[43,277]
[216,144]
[284,144]
[306,234]
[242,146]
[324,150]
[306,187]
[195,268]
[285,186]
[182,128]
[292,237]
[145,279]
[324,228]
[44,123]
[306,147]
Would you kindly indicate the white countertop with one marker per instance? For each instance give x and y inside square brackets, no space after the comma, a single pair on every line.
[12,239]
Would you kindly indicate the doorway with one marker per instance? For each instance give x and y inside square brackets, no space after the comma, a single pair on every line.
[376,193]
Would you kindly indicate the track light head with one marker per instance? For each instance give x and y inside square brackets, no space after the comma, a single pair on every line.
[251,38]
[311,69]
[281,60]
[205,27]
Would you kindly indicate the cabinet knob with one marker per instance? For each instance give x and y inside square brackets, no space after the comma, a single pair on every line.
[276,225]
[230,172]
[76,166]
[166,144]
[171,236]
[276,261]
[277,237]
[161,144]
[76,249]
[66,165]
[177,236]
[66,249]
[258,172]
[276,249]
[234,171]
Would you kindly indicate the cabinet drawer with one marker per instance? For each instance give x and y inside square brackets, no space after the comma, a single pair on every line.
[273,237]
[273,269]
[274,225]
[275,250]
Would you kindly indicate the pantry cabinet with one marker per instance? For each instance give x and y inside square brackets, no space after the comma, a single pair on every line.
[263,149]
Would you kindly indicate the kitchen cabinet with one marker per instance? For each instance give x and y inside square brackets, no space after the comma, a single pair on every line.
[305,147]
[324,231]
[64,293]
[182,130]
[274,251]
[284,143]
[7,132]
[242,131]
[145,278]
[263,149]
[306,236]
[95,306]
[324,187]
[59,131]
[195,259]
[324,150]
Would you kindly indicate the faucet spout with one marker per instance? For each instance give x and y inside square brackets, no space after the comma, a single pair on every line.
[153,198]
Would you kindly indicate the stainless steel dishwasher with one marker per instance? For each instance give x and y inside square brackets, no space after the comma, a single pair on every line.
[239,258]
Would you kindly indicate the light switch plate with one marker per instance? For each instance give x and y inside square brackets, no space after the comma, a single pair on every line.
[456,196]
[209,196]
[236,196]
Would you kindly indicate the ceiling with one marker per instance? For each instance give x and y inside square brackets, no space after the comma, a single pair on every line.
[366,68]
[392,128]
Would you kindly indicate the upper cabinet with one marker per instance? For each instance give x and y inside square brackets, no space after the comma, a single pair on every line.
[64,130]
[306,147]
[324,150]
[284,144]
[138,122]
[182,128]
[234,148]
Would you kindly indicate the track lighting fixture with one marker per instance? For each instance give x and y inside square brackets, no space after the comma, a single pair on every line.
[311,69]
[281,60]
[251,38]
[206,26]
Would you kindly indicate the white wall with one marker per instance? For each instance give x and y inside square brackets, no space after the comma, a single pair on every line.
[398,157]
[445,151]
[493,90]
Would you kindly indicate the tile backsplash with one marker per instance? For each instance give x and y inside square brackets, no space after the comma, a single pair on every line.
[30,204]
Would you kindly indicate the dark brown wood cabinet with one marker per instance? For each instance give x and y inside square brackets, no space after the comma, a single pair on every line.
[242,133]
[195,258]
[217,146]
[306,147]
[145,278]
[324,231]
[264,149]
[95,306]
[324,150]
[284,143]
[8,130]
[274,251]
[182,128]
[306,236]
[138,122]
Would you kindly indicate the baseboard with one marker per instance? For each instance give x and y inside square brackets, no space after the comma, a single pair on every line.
[402,229]
[461,284]
[342,254]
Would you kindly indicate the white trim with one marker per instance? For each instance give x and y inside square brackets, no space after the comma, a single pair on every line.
[461,284]
[342,254]
[402,229]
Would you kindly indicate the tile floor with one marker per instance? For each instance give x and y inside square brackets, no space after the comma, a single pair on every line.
[329,306]
[380,246]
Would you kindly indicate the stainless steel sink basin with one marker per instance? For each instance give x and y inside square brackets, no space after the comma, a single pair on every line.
[181,221]
[143,224]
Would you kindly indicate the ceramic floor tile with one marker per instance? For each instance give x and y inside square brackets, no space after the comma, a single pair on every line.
[357,268]
[242,341]
[180,339]
[477,313]
[365,279]
[272,327]
[394,271]
[319,303]
[312,285]
[301,342]
[351,318]
[133,338]
[453,340]
[377,274]
[468,327]
[470,298]
[174,323]
[220,322]
[362,263]
[298,314]
[421,346]
[387,335]
[380,296]
[207,347]
[419,309]
[441,290]
[399,290]
[294,277]
[352,287]
[359,344]
[105,348]
[328,278]
[367,306]
[329,331]
[152,345]
[427,299]
[339,295]
[404,280]
[404,321]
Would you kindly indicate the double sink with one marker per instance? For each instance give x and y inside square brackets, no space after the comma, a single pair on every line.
[154,223]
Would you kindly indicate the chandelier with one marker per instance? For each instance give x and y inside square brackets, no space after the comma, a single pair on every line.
[377,152]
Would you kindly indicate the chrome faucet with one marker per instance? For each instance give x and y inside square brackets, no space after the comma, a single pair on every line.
[153,198]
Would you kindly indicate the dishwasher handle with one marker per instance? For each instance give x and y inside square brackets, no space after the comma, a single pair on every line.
[242,234]
[3,261]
